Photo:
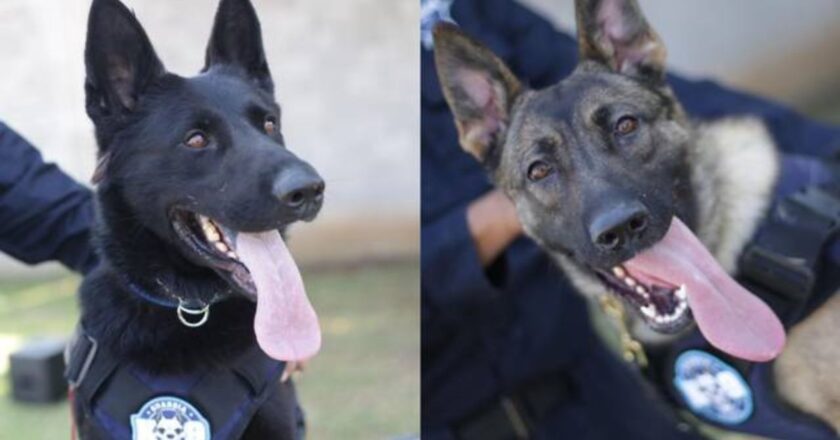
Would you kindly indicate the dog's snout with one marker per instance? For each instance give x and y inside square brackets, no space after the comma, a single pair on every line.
[300,190]
[617,226]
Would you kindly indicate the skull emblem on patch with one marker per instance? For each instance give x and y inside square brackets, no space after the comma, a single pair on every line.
[169,418]
[712,389]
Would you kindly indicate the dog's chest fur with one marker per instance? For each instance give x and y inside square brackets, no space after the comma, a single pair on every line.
[735,167]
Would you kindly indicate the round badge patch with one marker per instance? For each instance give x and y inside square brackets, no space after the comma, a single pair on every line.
[712,389]
[169,418]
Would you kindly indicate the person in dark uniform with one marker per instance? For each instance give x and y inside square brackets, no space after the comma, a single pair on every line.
[507,347]
[44,214]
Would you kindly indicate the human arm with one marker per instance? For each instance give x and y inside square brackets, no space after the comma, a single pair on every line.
[44,213]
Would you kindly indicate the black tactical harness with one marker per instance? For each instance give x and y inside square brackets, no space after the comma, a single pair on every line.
[785,266]
[111,392]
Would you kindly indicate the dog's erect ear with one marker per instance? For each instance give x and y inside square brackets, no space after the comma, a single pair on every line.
[616,33]
[478,86]
[119,59]
[236,40]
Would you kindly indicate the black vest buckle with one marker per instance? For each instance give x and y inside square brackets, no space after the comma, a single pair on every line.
[785,255]
[78,357]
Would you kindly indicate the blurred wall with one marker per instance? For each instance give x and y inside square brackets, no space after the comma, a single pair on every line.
[784,49]
[346,74]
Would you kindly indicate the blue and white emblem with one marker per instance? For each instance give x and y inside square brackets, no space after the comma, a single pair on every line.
[712,389]
[169,418]
[431,13]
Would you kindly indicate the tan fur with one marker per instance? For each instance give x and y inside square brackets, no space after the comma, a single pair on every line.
[736,167]
[807,372]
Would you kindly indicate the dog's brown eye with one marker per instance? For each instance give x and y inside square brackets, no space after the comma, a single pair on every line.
[626,125]
[269,125]
[196,139]
[539,170]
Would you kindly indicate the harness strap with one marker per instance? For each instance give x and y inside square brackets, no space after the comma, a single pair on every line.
[110,392]
[785,257]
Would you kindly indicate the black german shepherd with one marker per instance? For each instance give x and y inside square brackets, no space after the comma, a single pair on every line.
[195,184]
[630,196]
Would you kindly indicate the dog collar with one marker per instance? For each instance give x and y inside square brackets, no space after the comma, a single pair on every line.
[183,309]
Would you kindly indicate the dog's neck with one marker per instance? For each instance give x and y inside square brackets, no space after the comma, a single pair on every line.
[132,326]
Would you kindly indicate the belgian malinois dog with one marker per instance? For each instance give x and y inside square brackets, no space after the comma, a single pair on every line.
[195,187]
[629,195]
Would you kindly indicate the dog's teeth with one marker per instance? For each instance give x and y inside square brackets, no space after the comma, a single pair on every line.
[221,246]
[231,254]
[630,281]
[209,229]
[641,290]
[618,271]
[649,311]
[211,233]
[681,292]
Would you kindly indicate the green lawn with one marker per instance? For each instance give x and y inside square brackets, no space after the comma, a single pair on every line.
[363,385]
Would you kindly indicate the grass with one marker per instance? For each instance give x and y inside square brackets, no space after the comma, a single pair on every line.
[363,385]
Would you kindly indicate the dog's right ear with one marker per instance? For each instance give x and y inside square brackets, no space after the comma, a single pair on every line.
[119,60]
[478,86]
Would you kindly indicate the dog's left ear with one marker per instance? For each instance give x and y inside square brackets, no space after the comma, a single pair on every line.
[236,40]
[616,33]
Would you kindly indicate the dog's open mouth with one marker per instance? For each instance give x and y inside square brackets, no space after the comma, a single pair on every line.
[663,306]
[261,267]
[216,246]
[678,278]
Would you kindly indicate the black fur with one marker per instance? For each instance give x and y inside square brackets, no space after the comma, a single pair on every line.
[143,117]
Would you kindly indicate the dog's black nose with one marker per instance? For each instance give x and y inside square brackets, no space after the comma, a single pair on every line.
[617,226]
[300,190]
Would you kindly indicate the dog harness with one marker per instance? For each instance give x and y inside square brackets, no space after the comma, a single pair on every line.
[123,401]
[790,265]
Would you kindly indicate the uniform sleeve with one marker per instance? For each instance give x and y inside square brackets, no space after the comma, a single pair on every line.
[44,214]
[793,132]
[452,274]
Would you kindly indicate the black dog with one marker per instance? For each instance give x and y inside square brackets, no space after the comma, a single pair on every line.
[195,182]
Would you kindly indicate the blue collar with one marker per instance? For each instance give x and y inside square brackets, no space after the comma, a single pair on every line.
[174,303]
[143,294]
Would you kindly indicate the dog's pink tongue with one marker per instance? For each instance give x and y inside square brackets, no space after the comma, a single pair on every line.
[730,318]
[286,325]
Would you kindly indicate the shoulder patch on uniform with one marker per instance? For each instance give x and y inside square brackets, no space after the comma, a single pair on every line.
[433,12]
[711,388]
[169,418]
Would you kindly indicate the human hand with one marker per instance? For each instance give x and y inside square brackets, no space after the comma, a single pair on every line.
[493,223]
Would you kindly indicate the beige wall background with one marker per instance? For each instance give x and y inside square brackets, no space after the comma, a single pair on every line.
[346,73]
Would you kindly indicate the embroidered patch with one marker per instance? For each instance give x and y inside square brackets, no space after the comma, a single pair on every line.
[431,13]
[712,389]
[169,418]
